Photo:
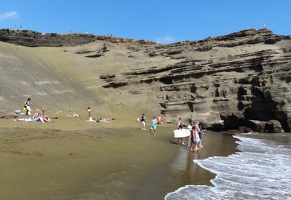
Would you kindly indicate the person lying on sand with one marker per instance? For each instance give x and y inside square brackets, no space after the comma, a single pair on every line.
[22,119]
[107,120]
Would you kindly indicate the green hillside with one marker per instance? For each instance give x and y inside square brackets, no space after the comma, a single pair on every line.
[63,79]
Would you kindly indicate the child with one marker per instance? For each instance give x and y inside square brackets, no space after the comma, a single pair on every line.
[142,119]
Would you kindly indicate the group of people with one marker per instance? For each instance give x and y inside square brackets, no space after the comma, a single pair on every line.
[102,119]
[153,126]
[39,115]
[196,134]
[89,118]
[196,131]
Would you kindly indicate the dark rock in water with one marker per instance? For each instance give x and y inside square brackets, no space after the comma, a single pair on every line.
[217,127]
[245,129]
[273,126]
[232,132]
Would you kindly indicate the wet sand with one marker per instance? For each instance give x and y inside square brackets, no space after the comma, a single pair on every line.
[71,158]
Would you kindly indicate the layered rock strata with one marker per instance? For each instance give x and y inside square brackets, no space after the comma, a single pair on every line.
[236,78]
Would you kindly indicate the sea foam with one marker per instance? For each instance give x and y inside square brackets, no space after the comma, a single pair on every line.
[261,170]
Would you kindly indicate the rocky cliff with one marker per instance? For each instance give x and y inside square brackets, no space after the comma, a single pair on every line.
[227,82]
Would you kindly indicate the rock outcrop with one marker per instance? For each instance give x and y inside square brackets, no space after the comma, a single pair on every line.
[34,39]
[236,78]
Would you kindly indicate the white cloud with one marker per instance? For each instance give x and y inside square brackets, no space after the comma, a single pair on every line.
[8,15]
[165,40]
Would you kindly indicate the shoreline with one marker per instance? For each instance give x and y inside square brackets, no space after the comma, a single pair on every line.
[60,162]
[99,160]
[190,173]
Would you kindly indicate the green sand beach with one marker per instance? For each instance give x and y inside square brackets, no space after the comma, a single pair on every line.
[70,158]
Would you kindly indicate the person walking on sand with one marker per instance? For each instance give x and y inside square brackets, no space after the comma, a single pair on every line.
[142,119]
[88,113]
[153,126]
[180,127]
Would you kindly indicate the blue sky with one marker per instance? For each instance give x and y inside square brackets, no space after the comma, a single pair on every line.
[161,21]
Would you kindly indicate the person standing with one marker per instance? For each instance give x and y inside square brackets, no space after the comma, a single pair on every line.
[88,113]
[142,119]
[190,126]
[195,137]
[200,133]
[153,126]
[190,129]
[27,107]
[180,127]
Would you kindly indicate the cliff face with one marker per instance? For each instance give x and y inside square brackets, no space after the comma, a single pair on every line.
[238,78]
[241,78]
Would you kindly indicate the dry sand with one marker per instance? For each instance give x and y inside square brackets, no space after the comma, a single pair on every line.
[71,158]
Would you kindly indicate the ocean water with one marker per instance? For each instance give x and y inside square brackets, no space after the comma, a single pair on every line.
[260,169]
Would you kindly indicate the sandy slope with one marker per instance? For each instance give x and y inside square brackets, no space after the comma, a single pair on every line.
[63,79]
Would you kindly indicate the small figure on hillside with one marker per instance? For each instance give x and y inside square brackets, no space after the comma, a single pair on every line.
[38,116]
[75,114]
[88,113]
[106,120]
[27,107]
[45,117]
